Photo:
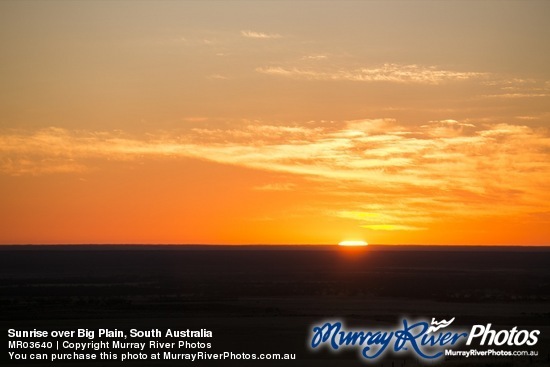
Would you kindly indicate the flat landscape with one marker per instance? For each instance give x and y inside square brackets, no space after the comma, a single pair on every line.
[266,299]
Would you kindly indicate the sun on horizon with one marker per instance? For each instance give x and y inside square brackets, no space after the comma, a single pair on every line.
[354,243]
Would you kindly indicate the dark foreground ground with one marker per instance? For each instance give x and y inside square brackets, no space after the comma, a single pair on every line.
[259,299]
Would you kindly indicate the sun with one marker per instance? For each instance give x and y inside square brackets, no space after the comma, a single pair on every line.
[353,243]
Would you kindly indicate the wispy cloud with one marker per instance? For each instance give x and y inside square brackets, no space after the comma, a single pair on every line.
[517,95]
[394,73]
[517,88]
[217,77]
[276,187]
[408,176]
[392,227]
[315,57]
[260,35]
[380,218]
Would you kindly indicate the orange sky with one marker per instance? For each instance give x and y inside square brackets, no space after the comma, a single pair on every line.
[275,122]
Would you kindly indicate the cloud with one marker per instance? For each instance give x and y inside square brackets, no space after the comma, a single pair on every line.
[516,95]
[516,88]
[381,174]
[276,187]
[315,57]
[448,128]
[218,77]
[260,35]
[450,122]
[527,118]
[392,227]
[381,219]
[393,73]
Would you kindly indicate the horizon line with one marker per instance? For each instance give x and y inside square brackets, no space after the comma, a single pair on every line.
[269,244]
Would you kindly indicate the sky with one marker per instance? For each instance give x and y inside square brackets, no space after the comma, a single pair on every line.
[275,122]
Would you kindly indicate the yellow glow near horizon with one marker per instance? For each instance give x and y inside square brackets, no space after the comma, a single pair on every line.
[353,243]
